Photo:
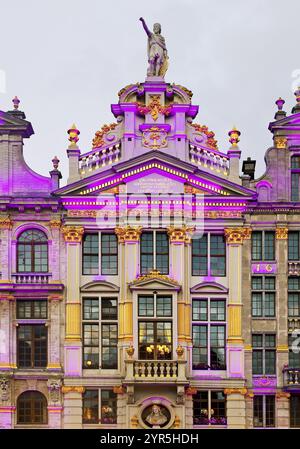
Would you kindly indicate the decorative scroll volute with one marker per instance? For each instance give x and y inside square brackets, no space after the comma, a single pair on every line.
[128,233]
[73,234]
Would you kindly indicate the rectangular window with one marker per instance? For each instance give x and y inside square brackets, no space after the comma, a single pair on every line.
[209,336]
[154,252]
[100,333]
[90,256]
[294,356]
[263,296]
[27,309]
[295,410]
[109,254]
[209,255]
[108,407]
[209,408]
[293,245]
[264,411]
[264,354]
[295,180]
[155,340]
[263,245]
[32,346]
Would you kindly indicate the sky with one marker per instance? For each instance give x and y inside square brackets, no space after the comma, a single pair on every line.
[67,59]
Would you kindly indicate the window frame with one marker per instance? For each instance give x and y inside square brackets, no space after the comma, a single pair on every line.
[209,420]
[100,254]
[154,253]
[100,419]
[263,292]
[263,246]
[264,409]
[99,323]
[33,340]
[209,256]
[263,350]
[209,323]
[30,400]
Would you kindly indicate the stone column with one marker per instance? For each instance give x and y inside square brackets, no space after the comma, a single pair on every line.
[235,407]
[73,406]
[73,346]
[180,239]
[121,406]
[128,238]
[6,332]
[281,301]
[235,347]
[54,356]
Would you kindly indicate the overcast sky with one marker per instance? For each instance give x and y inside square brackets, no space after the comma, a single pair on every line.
[67,59]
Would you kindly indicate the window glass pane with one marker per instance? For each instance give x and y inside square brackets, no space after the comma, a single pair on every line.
[294,283]
[295,410]
[25,346]
[257,361]
[40,346]
[163,306]
[257,283]
[217,310]
[258,414]
[40,258]
[269,283]
[91,345]
[270,362]
[201,408]
[269,248]
[199,256]
[256,245]
[295,187]
[146,244]
[109,346]
[91,309]
[200,352]
[162,252]
[256,304]
[146,340]
[257,340]
[218,408]
[294,304]
[200,309]
[108,407]
[293,245]
[109,254]
[163,340]
[32,408]
[270,411]
[91,254]
[90,407]
[146,305]
[109,309]
[217,347]
[217,255]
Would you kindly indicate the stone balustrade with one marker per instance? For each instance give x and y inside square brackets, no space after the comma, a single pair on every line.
[155,370]
[294,268]
[31,278]
[100,158]
[293,324]
[291,377]
[213,160]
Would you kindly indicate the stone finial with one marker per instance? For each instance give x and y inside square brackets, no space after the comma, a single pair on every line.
[55,162]
[16,102]
[234,136]
[279,113]
[73,136]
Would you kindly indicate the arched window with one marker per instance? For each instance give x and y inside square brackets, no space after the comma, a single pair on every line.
[32,251]
[32,408]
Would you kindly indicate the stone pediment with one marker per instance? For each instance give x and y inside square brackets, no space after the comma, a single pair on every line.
[209,287]
[154,280]
[99,286]
[137,173]
[10,122]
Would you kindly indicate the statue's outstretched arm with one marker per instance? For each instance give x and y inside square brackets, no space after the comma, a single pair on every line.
[145,26]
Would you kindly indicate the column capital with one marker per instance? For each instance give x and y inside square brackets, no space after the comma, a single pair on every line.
[6,222]
[236,236]
[73,234]
[4,297]
[283,395]
[180,234]
[281,233]
[128,233]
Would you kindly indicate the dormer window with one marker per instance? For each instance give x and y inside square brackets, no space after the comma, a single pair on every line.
[32,252]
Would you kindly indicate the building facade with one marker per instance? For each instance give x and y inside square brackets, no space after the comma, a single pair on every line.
[158,288]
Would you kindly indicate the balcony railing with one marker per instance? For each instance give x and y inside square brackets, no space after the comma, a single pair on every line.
[155,370]
[293,324]
[291,377]
[214,160]
[294,268]
[31,278]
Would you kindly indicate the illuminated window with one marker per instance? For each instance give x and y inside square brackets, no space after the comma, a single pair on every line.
[209,408]
[101,404]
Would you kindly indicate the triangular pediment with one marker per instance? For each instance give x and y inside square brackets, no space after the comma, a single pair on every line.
[146,174]
[154,280]
[9,121]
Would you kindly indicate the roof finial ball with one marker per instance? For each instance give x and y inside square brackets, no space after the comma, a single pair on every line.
[73,136]
[55,162]
[16,102]
[296,108]
[234,136]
